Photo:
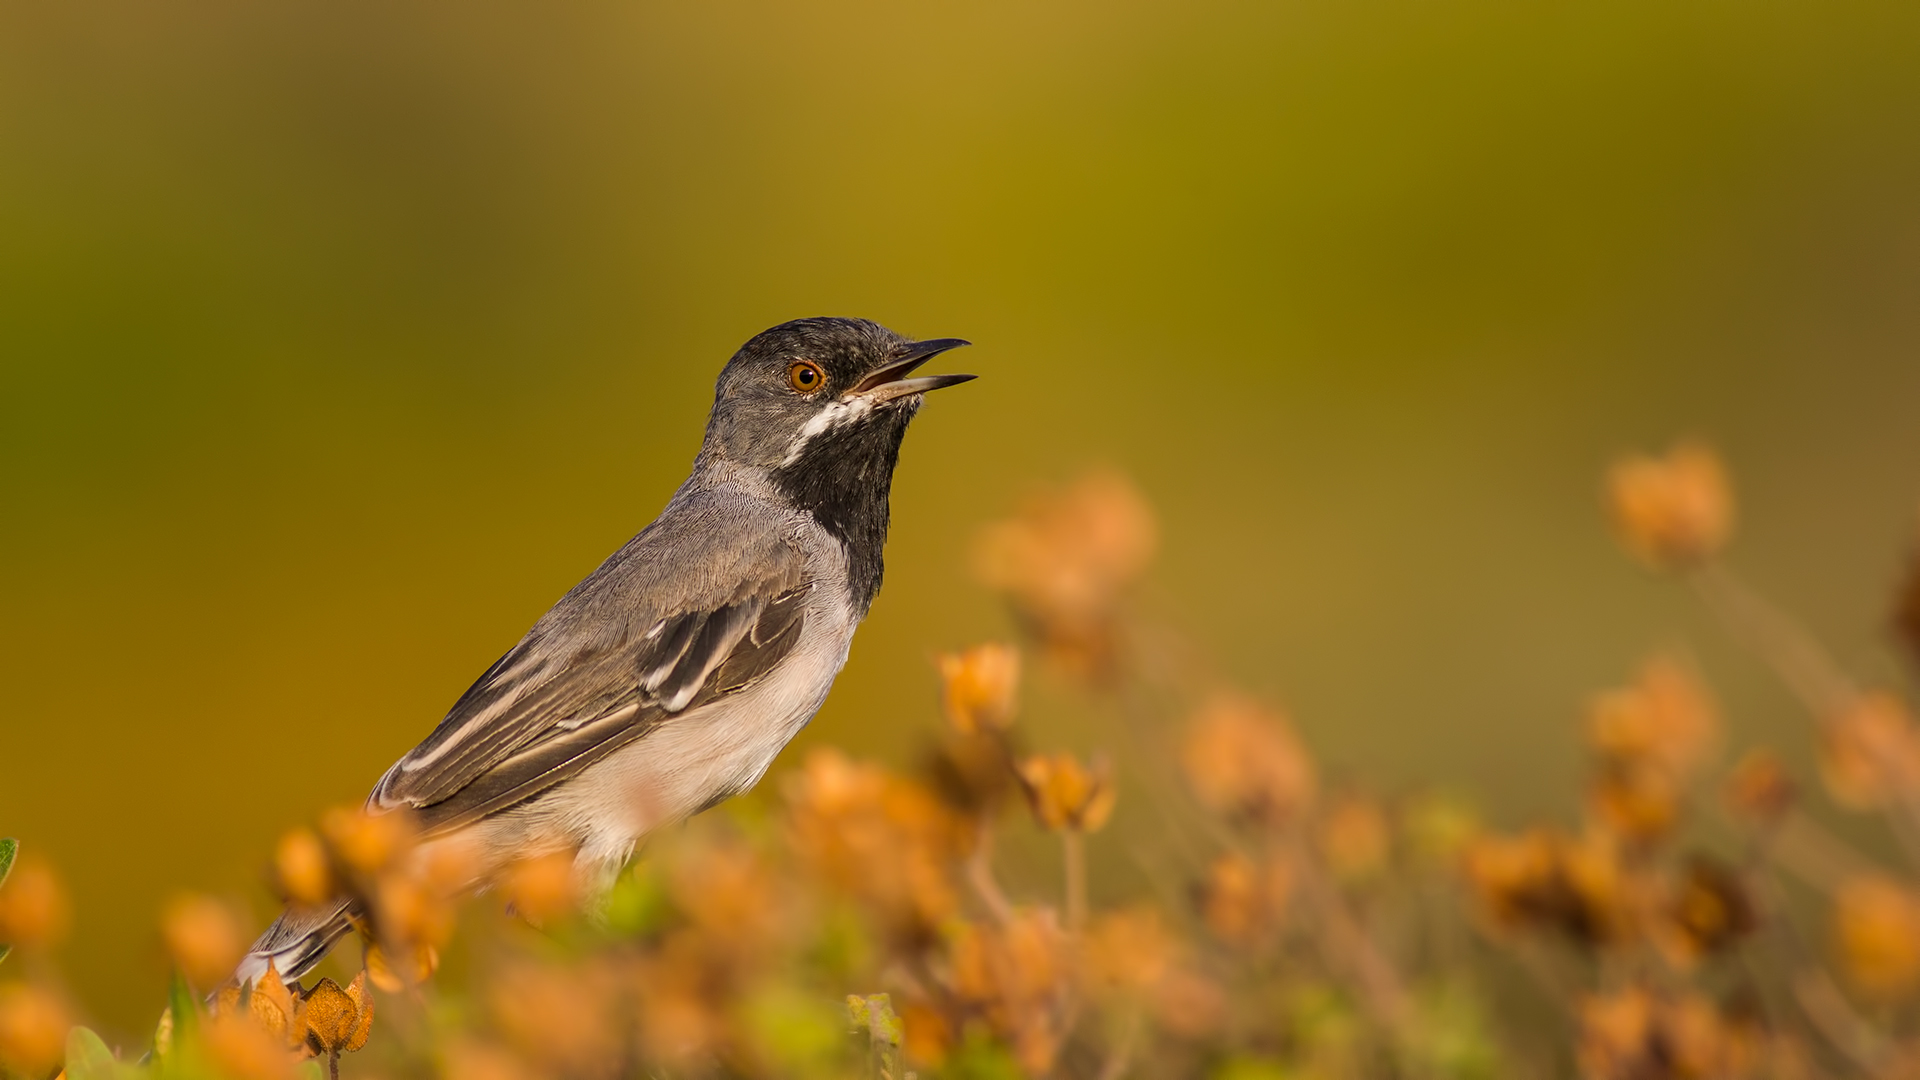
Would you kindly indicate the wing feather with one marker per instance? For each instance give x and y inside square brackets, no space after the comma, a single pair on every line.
[595,674]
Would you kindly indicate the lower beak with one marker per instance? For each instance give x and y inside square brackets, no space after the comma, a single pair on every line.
[891,381]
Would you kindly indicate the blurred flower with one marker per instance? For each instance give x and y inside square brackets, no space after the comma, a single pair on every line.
[1128,951]
[1014,977]
[979,687]
[1065,560]
[725,890]
[1709,911]
[1189,1005]
[928,1036]
[1354,837]
[1637,803]
[879,838]
[300,869]
[1759,791]
[1243,902]
[473,1059]
[1067,795]
[33,1028]
[1666,720]
[1876,929]
[1671,512]
[543,888]
[33,905]
[367,843]
[203,937]
[680,1023]
[1543,879]
[1244,762]
[559,1017]
[1870,753]
[1634,1034]
[242,1050]
[394,970]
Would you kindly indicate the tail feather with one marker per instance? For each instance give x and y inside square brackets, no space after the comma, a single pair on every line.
[298,940]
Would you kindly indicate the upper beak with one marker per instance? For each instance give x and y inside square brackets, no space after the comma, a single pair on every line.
[891,381]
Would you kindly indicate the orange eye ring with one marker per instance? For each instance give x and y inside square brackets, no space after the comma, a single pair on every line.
[805,377]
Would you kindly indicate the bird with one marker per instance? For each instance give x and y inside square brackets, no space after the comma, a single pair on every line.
[669,678]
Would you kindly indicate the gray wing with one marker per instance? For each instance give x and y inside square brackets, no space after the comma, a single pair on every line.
[612,662]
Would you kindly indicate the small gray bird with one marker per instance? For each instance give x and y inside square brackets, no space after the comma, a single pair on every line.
[669,679]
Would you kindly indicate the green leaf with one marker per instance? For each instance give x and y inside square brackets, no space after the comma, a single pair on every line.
[88,1057]
[9,847]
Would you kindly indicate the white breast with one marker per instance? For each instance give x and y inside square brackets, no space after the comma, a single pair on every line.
[703,755]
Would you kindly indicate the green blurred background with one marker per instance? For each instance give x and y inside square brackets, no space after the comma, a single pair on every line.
[338,339]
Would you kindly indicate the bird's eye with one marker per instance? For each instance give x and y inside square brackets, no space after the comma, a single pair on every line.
[805,377]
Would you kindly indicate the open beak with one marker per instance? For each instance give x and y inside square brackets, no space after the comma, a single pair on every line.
[891,381]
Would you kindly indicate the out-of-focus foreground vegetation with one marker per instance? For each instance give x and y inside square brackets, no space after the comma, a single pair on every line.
[1695,922]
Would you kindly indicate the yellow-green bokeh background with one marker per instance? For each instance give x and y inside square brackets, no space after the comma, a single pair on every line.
[338,339]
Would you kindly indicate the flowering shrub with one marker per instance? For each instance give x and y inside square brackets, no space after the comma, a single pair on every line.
[865,928]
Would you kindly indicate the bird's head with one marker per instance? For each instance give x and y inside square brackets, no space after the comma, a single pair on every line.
[820,394]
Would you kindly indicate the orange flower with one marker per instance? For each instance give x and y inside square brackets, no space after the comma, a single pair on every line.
[1127,951]
[33,1029]
[1709,912]
[204,938]
[888,842]
[1241,901]
[1244,762]
[367,843]
[1014,976]
[1671,512]
[1870,752]
[1065,560]
[543,888]
[300,868]
[1354,838]
[1067,795]
[1666,720]
[980,684]
[1636,803]
[1876,928]
[33,905]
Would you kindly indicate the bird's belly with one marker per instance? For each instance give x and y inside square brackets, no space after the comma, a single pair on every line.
[700,756]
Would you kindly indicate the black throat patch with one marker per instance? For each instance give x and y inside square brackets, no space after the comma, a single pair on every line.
[843,477]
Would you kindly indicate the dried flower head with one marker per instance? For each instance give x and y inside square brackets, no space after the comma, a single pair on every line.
[980,685]
[1244,762]
[1672,512]
[1128,951]
[1015,977]
[1066,559]
[1876,931]
[1634,1033]
[33,905]
[1065,794]
[1542,879]
[1870,752]
[1637,803]
[888,842]
[336,1020]
[394,970]
[1665,720]
[1243,902]
[1710,911]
